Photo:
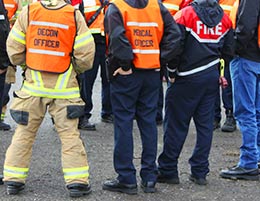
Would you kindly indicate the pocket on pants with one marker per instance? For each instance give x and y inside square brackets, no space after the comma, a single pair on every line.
[19,108]
[75,109]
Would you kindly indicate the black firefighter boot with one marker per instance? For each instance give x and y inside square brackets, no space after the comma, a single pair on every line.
[230,123]
[14,187]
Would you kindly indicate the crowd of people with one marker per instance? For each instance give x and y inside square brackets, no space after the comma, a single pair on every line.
[204,49]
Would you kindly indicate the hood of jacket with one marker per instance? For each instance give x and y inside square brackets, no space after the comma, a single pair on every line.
[209,11]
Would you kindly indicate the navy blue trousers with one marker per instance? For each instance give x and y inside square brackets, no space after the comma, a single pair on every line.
[135,96]
[226,94]
[88,79]
[2,85]
[189,97]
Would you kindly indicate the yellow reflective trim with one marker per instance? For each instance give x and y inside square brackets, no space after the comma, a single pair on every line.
[76,176]
[171,6]
[50,93]
[63,78]
[15,175]
[37,78]
[15,172]
[17,168]
[75,169]
[83,39]
[18,35]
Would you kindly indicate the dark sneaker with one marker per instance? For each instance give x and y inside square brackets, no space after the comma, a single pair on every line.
[14,187]
[84,124]
[168,180]
[1,180]
[240,173]
[199,181]
[216,124]
[107,118]
[148,187]
[4,126]
[116,186]
[229,125]
[79,190]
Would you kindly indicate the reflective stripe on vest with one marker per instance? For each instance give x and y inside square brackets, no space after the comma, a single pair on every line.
[233,13]
[76,173]
[15,172]
[172,5]
[144,31]
[11,6]
[60,90]
[50,40]
[90,8]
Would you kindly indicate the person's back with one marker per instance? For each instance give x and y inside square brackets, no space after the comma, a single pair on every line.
[142,36]
[207,34]
[53,44]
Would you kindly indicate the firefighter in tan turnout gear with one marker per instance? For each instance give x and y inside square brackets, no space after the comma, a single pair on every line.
[48,37]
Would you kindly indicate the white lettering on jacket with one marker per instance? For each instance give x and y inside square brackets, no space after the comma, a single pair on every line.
[217,30]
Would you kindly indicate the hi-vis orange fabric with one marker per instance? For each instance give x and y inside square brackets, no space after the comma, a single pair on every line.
[50,40]
[233,13]
[11,6]
[90,8]
[227,5]
[144,30]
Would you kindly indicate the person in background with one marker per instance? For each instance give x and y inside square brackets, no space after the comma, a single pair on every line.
[245,73]
[207,35]
[226,95]
[4,60]
[142,37]
[51,41]
[94,13]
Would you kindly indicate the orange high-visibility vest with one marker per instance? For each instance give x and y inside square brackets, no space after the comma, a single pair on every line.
[11,6]
[144,30]
[227,5]
[233,13]
[172,5]
[50,39]
[90,8]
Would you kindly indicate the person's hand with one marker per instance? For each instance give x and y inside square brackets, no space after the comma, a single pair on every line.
[171,80]
[2,71]
[122,72]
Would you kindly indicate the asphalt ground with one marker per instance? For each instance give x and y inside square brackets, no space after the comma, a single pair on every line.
[45,180]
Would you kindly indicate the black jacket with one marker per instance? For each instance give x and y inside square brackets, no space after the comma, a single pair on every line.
[120,51]
[207,35]
[4,30]
[246,30]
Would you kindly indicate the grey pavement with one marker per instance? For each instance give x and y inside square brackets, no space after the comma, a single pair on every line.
[45,181]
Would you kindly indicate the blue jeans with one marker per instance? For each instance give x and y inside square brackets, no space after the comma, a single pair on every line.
[245,75]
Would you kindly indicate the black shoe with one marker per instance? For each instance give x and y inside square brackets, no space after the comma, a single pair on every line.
[199,181]
[168,180]
[84,124]
[14,187]
[240,173]
[4,126]
[1,180]
[216,124]
[230,124]
[148,187]
[107,118]
[79,190]
[116,186]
